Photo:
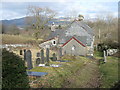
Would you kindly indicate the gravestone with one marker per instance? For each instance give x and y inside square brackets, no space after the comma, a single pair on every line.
[106,52]
[25,54]
[60,53]
[29,59]
[47,56]
[37,61]
[42,56]
[105,57]
[54,57]
[38,54]
[64,52]
[21,52]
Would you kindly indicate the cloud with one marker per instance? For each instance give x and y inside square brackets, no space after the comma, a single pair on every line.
[7,15]
[64,8]
[62,1]
[91,9]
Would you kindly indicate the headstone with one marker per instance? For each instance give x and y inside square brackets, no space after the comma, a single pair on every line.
[64,52]
[38,54]
[25,54]
[42,56]
[60,52]
[47,56]
[29,59]
[106,52]
[37,61]
[21,52]
[54,57]
[105,57]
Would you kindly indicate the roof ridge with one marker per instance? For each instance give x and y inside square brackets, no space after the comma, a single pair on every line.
[74,39]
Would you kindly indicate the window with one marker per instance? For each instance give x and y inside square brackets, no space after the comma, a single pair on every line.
[54,42]
[73,47]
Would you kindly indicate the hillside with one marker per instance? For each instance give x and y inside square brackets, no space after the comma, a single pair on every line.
[18,22]
[21,22]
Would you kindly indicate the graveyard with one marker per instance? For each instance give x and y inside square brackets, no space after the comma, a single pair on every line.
[69,71]
[49,68]
[60,45]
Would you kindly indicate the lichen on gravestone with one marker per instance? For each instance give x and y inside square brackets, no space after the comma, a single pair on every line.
[37,61]
[54,57]
[47,56]
[25,54]
[42,56]
[29,59]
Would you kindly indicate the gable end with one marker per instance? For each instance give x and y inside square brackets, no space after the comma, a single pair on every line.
[75,40]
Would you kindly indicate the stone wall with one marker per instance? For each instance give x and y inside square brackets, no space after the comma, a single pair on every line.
[79,49]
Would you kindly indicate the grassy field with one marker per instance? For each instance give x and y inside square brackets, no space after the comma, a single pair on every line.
[81,72]
[56,76]
[108,71]
[73,72]
[17,39]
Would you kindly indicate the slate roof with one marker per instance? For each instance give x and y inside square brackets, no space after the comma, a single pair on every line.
[85,27]
[55,33]
[78,29]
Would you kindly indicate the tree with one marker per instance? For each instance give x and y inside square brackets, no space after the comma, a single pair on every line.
[71,14]
[105,29]
[13,71]
[13,29]
[39,17]
[4,28]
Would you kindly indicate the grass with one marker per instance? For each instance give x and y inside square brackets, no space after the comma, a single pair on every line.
[83,77]
[79,72]
[108,71]
[56,76]
[17,39]
[98,55]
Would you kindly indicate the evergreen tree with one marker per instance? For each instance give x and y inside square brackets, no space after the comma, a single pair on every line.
[13,71]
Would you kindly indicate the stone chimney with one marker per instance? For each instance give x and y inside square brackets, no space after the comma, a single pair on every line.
[53,27]
[80,18]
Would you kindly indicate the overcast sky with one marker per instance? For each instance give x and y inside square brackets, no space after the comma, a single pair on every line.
[13,10]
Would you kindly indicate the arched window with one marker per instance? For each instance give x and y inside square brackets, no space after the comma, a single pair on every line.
[73,47]
[54,42]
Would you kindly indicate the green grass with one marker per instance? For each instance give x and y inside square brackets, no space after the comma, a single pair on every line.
[83,76]
[108,71]
[98,55]
[17,39]
[57,75]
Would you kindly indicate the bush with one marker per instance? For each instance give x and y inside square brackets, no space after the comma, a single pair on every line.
[13,71]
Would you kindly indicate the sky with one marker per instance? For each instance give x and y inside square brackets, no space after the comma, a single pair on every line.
[13,9]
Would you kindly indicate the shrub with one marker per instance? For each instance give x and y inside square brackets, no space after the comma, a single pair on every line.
[13,71]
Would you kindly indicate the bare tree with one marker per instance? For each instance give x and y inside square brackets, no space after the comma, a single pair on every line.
[38,17]
[71,14]
[106,28]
